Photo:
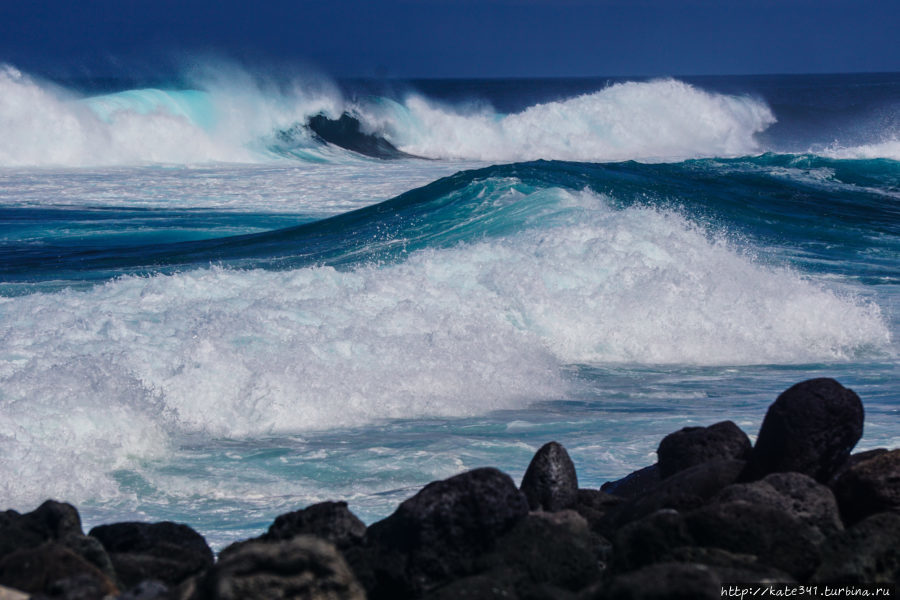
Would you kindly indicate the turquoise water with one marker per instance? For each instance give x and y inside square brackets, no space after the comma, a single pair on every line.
[236,319]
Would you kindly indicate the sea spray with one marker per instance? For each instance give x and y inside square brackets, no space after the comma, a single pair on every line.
[652,121]
[455,331]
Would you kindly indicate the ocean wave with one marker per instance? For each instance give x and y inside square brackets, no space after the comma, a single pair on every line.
[95,380]
[233,116]
[661,120]
[886,149]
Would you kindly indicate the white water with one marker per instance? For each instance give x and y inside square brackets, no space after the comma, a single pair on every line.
[94,381]
[235,118]
[889,148]
[231,120]
[650,121]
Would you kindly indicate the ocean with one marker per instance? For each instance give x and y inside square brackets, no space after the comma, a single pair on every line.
[228,295]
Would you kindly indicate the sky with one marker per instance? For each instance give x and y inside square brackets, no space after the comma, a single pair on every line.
[455,38]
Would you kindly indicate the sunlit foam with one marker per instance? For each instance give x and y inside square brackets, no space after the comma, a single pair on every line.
[91,381]
[656,120]
[885,149]
[231,118]
[235,117]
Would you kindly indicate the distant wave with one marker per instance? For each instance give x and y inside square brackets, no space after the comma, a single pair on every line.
[650,121]
[885,149]
[235,118]
[470,294]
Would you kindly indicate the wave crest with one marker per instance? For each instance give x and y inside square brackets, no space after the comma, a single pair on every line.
[649,121]
[234,117]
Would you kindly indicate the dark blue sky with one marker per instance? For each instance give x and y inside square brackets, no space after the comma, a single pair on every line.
[456,38]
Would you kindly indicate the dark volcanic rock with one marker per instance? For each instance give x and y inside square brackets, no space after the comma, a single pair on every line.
[730,566]
[546,555]
[56,522]
[634,484]
[331,521]
[167,552]
[775,537]
[792,493]
[868,552]
[50,521]
[694,445]
[665,581]
[549,548]
[869,486]
[550,483]
[765,533]
[649,540]
[685,490]
[670,536]
[146,590]
[856,458]
[302,567]
[810,428]
[593,506]
[54,571]
[499,585]
[437,534]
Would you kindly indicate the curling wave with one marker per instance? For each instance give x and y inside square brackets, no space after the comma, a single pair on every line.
[233,117]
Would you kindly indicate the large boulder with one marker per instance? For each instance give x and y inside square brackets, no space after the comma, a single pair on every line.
[483,586]
[634,484]
[869,486]
[438,534]
[546,555]
[593,505]
[746,551]
[51,521]
[650,540]
[330,521]
[792,493]
[547,549]
[775,537]
[302,567]
[54,571]
[868,552]
[167,552]
[730,566]
[810,428]
[664,581]
[550,482]
[148,589]
[57,522]
[685,490]
[692,446]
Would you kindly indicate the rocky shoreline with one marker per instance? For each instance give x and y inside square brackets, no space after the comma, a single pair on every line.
[795,508]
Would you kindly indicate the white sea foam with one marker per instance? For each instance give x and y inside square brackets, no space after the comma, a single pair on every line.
[235,117]
[284,187]
[94,381]
[230,120]
[885,149]
[651,121]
